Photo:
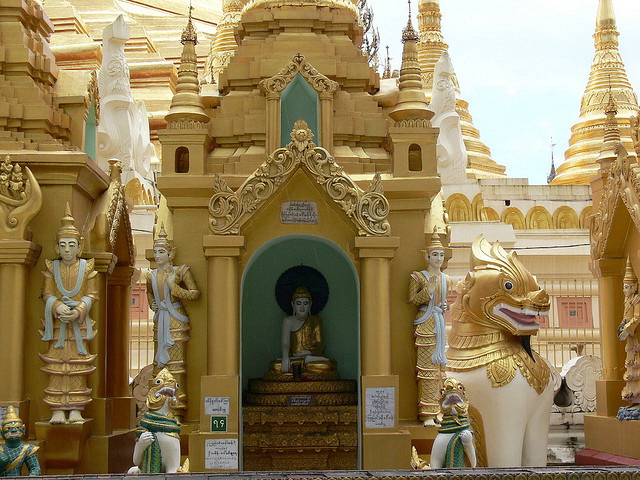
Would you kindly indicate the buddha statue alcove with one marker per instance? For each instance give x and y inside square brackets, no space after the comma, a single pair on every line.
[293,409]
[302,344]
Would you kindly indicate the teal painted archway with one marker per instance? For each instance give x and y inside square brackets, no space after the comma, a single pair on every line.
[262,317]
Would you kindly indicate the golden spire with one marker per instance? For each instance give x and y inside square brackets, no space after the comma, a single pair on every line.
[187,103]
[608,74]
[412,103]
[430,49]
[609,147]
[224,43]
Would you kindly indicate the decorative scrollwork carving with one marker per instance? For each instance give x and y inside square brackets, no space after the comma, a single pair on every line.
[367,209]
[20,200]
[623,182]
[298,64]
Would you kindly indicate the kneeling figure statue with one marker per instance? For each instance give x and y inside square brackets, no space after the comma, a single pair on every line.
[158,447]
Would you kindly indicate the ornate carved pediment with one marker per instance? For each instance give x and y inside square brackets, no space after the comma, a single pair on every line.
[299,64]
[368,210]
[20,200]
[623,184]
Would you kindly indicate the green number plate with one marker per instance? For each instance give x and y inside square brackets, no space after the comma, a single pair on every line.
[219,424]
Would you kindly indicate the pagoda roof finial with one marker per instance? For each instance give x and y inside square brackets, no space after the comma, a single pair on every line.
[189,32]
[409,34]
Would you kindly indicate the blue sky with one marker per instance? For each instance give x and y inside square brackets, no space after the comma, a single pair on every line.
[522,66]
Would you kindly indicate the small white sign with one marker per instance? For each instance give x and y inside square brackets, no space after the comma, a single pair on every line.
[302,212]
[221,454]
[380,407]
[216,405]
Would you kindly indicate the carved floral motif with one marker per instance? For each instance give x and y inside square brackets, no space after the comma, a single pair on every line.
[228,210]
[20,200]
[299,64]
[623,182]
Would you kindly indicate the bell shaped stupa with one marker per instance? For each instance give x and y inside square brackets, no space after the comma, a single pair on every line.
[607,75]
[430,48]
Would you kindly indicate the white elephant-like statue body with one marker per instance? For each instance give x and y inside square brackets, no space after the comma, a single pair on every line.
[507,383]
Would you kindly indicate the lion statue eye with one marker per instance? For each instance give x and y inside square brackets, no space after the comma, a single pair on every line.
[508,285]
[158,381]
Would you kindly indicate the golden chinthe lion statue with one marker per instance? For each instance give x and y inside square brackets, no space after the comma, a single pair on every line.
[508,384]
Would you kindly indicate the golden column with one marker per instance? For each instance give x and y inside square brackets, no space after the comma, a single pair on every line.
[375,255]
[222,382]
[16,258]
[20,201]
[610,272]
[118,313]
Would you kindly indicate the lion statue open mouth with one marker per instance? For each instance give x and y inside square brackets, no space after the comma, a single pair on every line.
[497,311]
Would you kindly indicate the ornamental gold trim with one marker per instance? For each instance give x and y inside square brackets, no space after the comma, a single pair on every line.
[298,65]
[322,399]
[622,183]
[20,200]
[367,209]
[335,386]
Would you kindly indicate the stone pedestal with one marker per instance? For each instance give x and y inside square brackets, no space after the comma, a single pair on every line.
[65,445]
[278,438]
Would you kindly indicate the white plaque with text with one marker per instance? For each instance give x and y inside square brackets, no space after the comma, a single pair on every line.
[216,405]
[380,407]
[221,454]
[299,212]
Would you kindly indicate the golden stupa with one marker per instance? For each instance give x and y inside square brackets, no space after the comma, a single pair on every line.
[607,75]
[430,48]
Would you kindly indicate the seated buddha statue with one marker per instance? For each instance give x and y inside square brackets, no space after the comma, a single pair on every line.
[302,343]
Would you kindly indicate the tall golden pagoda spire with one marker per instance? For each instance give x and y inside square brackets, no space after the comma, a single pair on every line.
[412,103]
[224,43]
[187,103]
[430,49]
[608,82]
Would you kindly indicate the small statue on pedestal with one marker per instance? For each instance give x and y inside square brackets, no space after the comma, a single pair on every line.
[455,437]
[302,343]
[158,447]
[167,285]
[15,453]
[428,291]
[69,292]
[628,331]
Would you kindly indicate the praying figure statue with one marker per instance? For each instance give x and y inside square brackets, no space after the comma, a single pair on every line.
[428,292]
[302,342]
[167,286]
[628,331]
[15,453]
[69,292]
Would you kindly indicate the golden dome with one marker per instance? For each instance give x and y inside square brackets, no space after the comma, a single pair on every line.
[607,81]
[348,4]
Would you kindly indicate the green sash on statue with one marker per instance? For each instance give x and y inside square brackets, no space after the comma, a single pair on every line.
[155,423]
[454,458]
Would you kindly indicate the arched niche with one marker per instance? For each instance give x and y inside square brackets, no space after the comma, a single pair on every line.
[477,204]
[298,101]
[538,218]
[514,217]
[585,216]
[415,158]
[488,214]
[565,217]
[273,89]
[182,160]
[91,131]
[459,208]
[261,315]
